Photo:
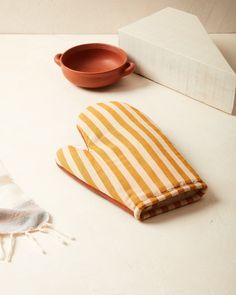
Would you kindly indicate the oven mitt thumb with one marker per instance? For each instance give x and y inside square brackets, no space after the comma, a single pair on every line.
[130,162]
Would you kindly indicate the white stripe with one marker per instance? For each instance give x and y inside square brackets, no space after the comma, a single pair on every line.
[161,198]
[198,185]
[118,187]
[161,140]
[132,139]
[112,155]
[164,159]
[92,172]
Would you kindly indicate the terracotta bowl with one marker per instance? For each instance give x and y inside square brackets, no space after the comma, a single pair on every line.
[94,65]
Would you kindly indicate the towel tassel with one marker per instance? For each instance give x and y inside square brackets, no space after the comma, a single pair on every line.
[2,250]
[30,236]
[12,247]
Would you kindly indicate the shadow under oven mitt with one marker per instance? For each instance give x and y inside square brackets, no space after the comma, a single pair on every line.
[130,162]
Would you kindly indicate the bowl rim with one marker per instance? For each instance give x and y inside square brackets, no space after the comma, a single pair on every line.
[96,45]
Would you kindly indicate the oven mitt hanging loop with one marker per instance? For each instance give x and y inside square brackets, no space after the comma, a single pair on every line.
[130,162]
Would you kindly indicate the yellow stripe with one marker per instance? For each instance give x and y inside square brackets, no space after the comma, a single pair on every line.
[102,175]
[120,177]
[167,142]
[144,143]
[62,159]
[142,184]
[153,138]
[131,148]
[85,137]
[80,165]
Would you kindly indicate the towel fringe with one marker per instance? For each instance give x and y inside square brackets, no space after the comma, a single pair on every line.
[45,228]
[12,247]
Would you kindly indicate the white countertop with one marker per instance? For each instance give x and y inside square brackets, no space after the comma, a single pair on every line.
[189,251]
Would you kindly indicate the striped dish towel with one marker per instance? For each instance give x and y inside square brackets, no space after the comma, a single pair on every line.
[21,216]
[130,162]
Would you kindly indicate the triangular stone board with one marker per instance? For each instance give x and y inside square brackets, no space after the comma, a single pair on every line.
[172,48]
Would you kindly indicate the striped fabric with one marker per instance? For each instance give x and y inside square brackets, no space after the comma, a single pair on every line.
[130,162]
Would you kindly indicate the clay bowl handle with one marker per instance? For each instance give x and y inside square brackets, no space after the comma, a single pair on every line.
[130,66]
[57,59]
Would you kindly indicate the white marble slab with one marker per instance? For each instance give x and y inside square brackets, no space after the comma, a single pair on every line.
[171,47]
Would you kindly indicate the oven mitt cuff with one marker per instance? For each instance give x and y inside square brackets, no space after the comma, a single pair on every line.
[130,162]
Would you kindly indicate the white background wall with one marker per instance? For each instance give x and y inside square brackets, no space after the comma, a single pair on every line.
[105,16]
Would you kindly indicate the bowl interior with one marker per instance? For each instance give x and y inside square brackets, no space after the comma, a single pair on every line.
[93,59]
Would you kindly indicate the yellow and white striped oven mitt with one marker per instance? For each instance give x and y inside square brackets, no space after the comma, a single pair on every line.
[130,162]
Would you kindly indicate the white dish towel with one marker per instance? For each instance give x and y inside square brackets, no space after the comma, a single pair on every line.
[19,216]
